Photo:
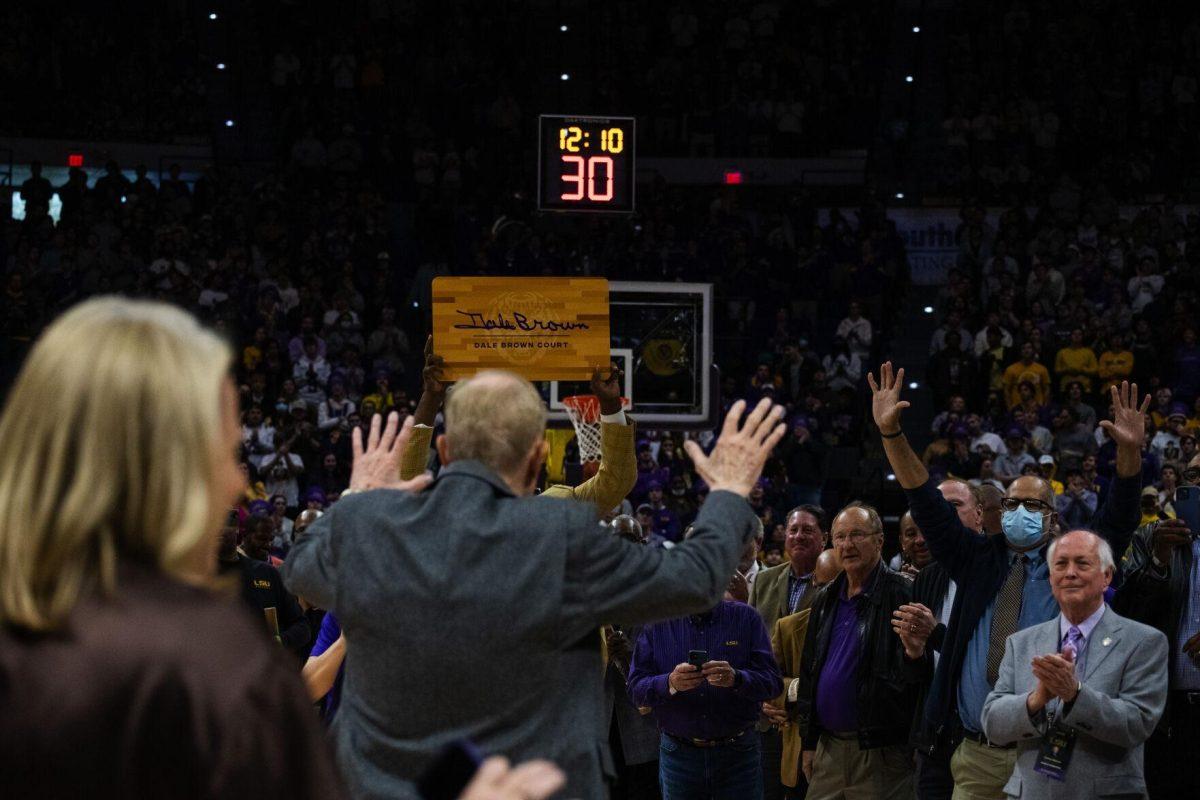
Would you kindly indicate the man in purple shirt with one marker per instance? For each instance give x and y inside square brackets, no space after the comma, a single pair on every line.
[858,680]
[707,713]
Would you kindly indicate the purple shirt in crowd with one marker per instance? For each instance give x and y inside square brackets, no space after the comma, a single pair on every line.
[329,633]
[837,687]
[732,632]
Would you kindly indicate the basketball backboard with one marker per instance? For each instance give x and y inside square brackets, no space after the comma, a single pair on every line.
[662,339]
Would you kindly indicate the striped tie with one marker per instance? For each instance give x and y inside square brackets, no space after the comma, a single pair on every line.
[1004,619]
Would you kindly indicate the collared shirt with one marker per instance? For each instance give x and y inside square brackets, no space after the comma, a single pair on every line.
[732,632]
[1086,627]
[752,574]
[944,613]
[1037,606]
[837,686]
[796,586]
[1185,670]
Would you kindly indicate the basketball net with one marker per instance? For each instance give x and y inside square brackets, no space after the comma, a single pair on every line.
[584,412]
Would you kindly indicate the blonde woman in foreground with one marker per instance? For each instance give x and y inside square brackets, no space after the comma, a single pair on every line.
[122,672]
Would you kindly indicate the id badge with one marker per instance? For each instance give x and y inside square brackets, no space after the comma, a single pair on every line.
[1054,756]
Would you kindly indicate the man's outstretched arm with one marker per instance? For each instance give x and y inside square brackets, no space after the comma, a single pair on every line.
[951,542]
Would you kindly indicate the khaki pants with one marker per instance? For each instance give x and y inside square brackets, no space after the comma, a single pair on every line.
[843,772]
[980,772]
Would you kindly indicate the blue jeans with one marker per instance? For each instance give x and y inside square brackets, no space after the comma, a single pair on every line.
[727,772]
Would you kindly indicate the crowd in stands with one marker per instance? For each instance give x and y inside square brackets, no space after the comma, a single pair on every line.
[1041,318]
[1050,97]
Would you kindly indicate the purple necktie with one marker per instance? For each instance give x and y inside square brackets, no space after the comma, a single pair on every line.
[1074,638]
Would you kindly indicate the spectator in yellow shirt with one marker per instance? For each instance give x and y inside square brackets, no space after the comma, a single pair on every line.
[1027,369]
[1116,363]
[1076,362]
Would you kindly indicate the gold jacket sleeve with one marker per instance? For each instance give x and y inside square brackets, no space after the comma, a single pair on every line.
[617,473]
[416,453]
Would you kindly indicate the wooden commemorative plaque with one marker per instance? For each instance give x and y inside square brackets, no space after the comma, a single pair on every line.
[542,328]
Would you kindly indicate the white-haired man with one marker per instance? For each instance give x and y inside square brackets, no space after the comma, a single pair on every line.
[1079,695]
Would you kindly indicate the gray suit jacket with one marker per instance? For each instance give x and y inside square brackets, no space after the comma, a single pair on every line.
[1123,695]
[473,614]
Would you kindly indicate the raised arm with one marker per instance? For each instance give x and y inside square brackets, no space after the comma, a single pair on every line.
[951,542]
[433,393]
[1117,518]
[311,568]
[618,459]
[613,581]
[886,407]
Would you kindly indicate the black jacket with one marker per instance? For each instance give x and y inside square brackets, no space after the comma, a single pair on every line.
[1154,595]
[929,589]
[887,680]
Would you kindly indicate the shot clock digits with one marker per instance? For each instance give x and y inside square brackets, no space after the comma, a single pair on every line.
[586,163]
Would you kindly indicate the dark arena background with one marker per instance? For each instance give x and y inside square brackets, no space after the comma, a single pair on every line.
[1002,197]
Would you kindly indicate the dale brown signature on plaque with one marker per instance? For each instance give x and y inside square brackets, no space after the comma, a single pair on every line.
[541,328]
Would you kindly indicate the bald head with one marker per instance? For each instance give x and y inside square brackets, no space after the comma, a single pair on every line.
[498,419]
[306,518]
[1032,486]
[828,567]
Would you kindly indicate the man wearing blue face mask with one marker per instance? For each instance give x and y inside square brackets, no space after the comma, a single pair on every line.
[1003,580]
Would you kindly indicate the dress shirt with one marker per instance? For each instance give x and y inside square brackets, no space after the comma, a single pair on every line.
[944,614]
[1037,605]
[797,585]
[732,632]
[1086,627]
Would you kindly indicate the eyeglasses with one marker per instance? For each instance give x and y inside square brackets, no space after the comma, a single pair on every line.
[856,537]
[1031,505]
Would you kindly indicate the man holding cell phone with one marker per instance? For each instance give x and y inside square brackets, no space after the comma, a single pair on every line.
[706,677]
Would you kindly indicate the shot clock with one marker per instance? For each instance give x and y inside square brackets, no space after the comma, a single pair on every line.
[585,163]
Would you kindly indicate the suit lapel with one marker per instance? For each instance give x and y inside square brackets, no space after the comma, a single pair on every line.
[1105,638]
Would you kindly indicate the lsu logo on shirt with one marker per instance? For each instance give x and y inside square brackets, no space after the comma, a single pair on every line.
[732,643]
[261,584]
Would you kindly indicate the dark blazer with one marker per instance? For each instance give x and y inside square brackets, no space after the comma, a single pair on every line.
[979,564]
[470,613]
[638,731]
[1152,595]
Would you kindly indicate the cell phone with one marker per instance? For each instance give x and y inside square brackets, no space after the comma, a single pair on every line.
[697,658]
[1187,507]
[447,777]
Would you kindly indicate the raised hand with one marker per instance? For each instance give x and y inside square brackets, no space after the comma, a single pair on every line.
[608,390]
[886,404]
[377,465]
[737,460]
[431,374]
[1128,425]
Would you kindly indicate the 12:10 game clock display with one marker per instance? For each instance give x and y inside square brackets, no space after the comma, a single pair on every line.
[585,163]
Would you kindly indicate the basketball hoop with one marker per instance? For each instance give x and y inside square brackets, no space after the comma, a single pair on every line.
[584,411]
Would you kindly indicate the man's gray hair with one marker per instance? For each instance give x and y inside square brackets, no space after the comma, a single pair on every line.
[1103,549]
[494,417]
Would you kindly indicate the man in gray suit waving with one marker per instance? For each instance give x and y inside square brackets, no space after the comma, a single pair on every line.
[1080,694]
[473,611]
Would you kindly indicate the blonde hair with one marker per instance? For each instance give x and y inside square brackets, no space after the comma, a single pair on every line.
[495,417]
[107,448]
